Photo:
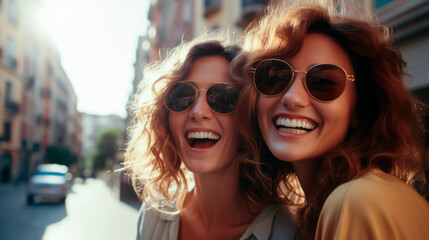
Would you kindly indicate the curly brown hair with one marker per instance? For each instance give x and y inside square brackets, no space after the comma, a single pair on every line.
[389,132]
[158,175]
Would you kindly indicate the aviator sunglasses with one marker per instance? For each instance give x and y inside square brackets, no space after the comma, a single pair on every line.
[324,82]
[221,97]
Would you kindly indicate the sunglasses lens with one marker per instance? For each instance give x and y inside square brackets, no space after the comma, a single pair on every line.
[222,98]
[326,82]
[180,97]
[272,76]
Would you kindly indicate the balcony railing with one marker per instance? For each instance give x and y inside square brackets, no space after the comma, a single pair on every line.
[29,82]
[12,106]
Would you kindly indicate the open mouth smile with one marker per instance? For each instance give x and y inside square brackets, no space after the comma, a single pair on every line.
[202,139]
[294,126]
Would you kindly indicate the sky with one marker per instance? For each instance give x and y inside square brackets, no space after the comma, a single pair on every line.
[97,41]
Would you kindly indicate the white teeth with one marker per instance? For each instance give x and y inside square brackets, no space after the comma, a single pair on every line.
[203,135]
[288,123]
[292,130]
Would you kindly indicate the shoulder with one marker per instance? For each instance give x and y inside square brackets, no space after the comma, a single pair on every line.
[375,205]
[272,223]
[378,190]
[153,224]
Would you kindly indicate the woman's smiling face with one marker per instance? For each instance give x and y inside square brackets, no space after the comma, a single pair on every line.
[206,141]
[296,126]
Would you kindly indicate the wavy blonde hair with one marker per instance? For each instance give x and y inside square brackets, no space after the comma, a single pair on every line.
[158,175]
[389,132]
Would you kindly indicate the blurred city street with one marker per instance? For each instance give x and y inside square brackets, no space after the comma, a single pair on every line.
[91,211]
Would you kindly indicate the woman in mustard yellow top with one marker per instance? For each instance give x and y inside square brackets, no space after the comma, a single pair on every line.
[326,95]
[376,205]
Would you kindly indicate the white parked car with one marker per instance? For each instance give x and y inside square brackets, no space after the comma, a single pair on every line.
[49,183]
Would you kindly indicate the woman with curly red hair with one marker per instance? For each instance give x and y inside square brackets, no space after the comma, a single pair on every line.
[326,101]
[187,159]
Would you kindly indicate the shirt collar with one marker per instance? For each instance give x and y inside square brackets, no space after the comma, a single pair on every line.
[260,228]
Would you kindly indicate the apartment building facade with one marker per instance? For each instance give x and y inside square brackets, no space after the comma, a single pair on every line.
[38,105]
[11,86]
[171,22]
[409,20]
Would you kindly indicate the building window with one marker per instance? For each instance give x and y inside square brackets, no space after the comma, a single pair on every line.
[251,9]
[381,3]
[187,12]
[9,92]
[212,3]
[39,119]
[13,11]
[9,103]
[211,6]
[10,53]
[45,93]
[7,131]
[248,3]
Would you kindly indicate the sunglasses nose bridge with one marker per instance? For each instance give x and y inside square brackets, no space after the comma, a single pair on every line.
[200,109]
[300,71]
[295,95]
[201,93]
[296,75]
[201,96]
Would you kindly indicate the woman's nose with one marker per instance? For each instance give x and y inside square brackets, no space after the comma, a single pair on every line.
[201,110]
[296,95]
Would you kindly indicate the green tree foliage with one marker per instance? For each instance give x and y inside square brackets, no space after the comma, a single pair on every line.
[105,150]
[60,155]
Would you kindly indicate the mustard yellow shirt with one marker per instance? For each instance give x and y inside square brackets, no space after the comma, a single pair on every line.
[374,206]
